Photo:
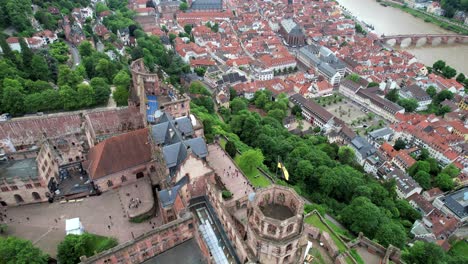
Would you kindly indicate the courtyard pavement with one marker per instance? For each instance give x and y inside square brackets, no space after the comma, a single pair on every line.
[102,215]
[231,175]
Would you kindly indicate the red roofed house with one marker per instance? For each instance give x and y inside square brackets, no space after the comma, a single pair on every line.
[120,160]
[322,88]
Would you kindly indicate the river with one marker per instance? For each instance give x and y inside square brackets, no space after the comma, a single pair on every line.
[392,21]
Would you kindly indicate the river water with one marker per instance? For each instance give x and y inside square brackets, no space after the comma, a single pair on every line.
[392,21]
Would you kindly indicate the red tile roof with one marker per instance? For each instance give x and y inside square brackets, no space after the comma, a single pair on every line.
[119,153]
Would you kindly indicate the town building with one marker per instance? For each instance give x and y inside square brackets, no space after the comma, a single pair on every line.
[153,98]
[292,33]
[313,112]
[324,61]
[455,203]
[121,160]
[417,93]
[207,6]
[362,149]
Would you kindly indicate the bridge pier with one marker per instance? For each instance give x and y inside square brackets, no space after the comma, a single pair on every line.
[424,39]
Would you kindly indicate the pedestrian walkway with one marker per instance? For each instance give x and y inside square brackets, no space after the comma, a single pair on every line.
[231,176]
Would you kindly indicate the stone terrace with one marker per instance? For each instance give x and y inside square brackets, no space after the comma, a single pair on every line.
[96,213]
[221,162]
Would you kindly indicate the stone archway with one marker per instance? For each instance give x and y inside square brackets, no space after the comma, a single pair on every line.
[36,196]
[18,199]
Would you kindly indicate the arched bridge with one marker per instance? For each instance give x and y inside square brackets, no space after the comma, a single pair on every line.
[424,39]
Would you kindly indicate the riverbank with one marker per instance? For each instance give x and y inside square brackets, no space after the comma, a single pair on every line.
[429,18]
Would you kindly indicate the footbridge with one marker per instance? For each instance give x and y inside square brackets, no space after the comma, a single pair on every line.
[419,40]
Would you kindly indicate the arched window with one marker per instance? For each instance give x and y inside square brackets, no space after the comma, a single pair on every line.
[110,183]
[36,196]
[18,199]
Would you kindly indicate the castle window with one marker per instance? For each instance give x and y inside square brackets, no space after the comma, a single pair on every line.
[290,228]
[271,229]
[110,183]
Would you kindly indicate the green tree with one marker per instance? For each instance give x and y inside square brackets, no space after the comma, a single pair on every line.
[200,71]
[461,77]
[250,160]
[451,170]
[85,49]
[231,148]
[69,98]
[440,97]
[122,79]
[12,97]
[198,88]
[449,72]
[424,179]
[410,104]
[85,95]
[183,6]
[346,155]
[67,76]
[392,95]
[232,93]
[297,111]
[40,68]
[354,77]
[7,52]
[303,170]
[104,68]
[188,29]
[16,250]
[59,51]
[101,90]
[261,100]
[206,102]
[438,65]
[444,182]
[391,233]
[420,165]
[26,56]
[237,105]
[399,144]
[277,114]
[424,253]
[120,95]
[431,91]
[73,247]
[362,216]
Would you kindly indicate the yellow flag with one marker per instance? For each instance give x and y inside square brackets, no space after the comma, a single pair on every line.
[285,173]
[284,170]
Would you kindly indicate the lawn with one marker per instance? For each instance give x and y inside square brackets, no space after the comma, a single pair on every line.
[255,177]
[339,230]
[356,256]
[318,258]
[222,142]
[314,220]
[98,243]
[459,248]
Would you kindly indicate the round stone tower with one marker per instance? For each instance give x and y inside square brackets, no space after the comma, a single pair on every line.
[275,216]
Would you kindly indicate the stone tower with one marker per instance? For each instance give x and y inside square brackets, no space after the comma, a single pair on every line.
[275,216]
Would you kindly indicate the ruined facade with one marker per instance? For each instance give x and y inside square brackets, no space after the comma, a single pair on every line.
[150,95]
[275,225]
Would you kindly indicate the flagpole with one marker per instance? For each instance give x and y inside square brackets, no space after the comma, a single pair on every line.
[276,173]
